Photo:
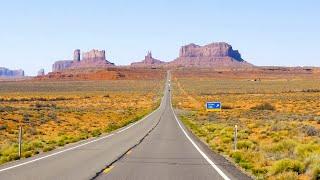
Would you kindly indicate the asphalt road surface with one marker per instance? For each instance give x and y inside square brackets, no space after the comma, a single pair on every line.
[156,147]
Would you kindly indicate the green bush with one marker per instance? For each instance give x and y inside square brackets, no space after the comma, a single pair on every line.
[304,150]
[315,172]
[111,127]
[245,144]
[287,176]
[285,165]
[14,156]
[313,166]
[48,148]
[240,158]
[282,146]
[96,132]
[27,154]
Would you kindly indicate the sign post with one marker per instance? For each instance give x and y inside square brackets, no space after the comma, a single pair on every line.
[213,106]
[20,140]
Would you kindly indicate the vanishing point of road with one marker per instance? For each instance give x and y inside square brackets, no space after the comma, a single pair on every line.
[158,146]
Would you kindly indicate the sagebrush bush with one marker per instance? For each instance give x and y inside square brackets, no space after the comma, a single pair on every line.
[304,150]
[312,163]
[288,175]
[285,165]
[245,144]
[243,159]
[282,146]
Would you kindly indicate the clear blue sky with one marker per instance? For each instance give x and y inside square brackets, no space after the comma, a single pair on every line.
[33,34]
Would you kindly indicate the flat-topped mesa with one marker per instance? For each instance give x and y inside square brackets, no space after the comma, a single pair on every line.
[94,55]
[148,61]
[91,59]
[218,54]
[220,49]
[5,72]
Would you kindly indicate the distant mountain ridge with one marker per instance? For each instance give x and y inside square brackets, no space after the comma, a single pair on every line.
[215,55]
[5,72]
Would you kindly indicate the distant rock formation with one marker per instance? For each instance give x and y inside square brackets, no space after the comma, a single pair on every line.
[148,61]
[41,72]
[218,54]
[5,72]
[91,59]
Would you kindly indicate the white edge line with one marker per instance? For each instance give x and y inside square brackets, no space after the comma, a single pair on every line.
[224,176]
[80,145]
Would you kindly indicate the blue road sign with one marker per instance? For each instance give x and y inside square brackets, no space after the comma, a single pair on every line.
[213,106]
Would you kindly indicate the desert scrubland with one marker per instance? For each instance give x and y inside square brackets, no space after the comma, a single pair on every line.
[277,114]
[55,113]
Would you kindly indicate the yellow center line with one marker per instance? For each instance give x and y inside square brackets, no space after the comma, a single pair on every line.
[107,170]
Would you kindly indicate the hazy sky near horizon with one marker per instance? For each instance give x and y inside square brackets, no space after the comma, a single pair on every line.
[35,33]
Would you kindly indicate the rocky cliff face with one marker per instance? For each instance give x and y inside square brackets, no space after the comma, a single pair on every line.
[91,59]
[4,72]
[148,61]
[94,55]
[212,55]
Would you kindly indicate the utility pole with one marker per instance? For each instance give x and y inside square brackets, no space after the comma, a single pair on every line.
[20,140]
[235,137]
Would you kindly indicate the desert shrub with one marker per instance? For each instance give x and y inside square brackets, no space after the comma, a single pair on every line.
[3,159]
[313,166]
[311,90]
[37,144]
[14,156]
[241,158]
[226,107]
[317,119]
[39,105]
[315,172]
[284,165]
[27,154]
[226,140]
[61,142]
[96,132]
[7,109]
[48,148]
[264,106]
[52,115]
[111,127]
[287,175]
[3,127]
[26,117]
[304,150]
[310,130]
[243,134]
[282,146]
[245,144]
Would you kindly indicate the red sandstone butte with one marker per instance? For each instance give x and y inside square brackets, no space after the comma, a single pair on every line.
[148,61]
[218,54]
[91,59]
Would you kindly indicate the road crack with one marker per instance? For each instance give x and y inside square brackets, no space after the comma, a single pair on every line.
[128,151]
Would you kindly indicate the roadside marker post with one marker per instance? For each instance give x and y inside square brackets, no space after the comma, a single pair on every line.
[20,140]
[213,106]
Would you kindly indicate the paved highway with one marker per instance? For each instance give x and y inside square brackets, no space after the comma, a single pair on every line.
[156,147]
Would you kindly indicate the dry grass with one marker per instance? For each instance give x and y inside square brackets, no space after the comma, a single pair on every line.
[60,112]
[279,122]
